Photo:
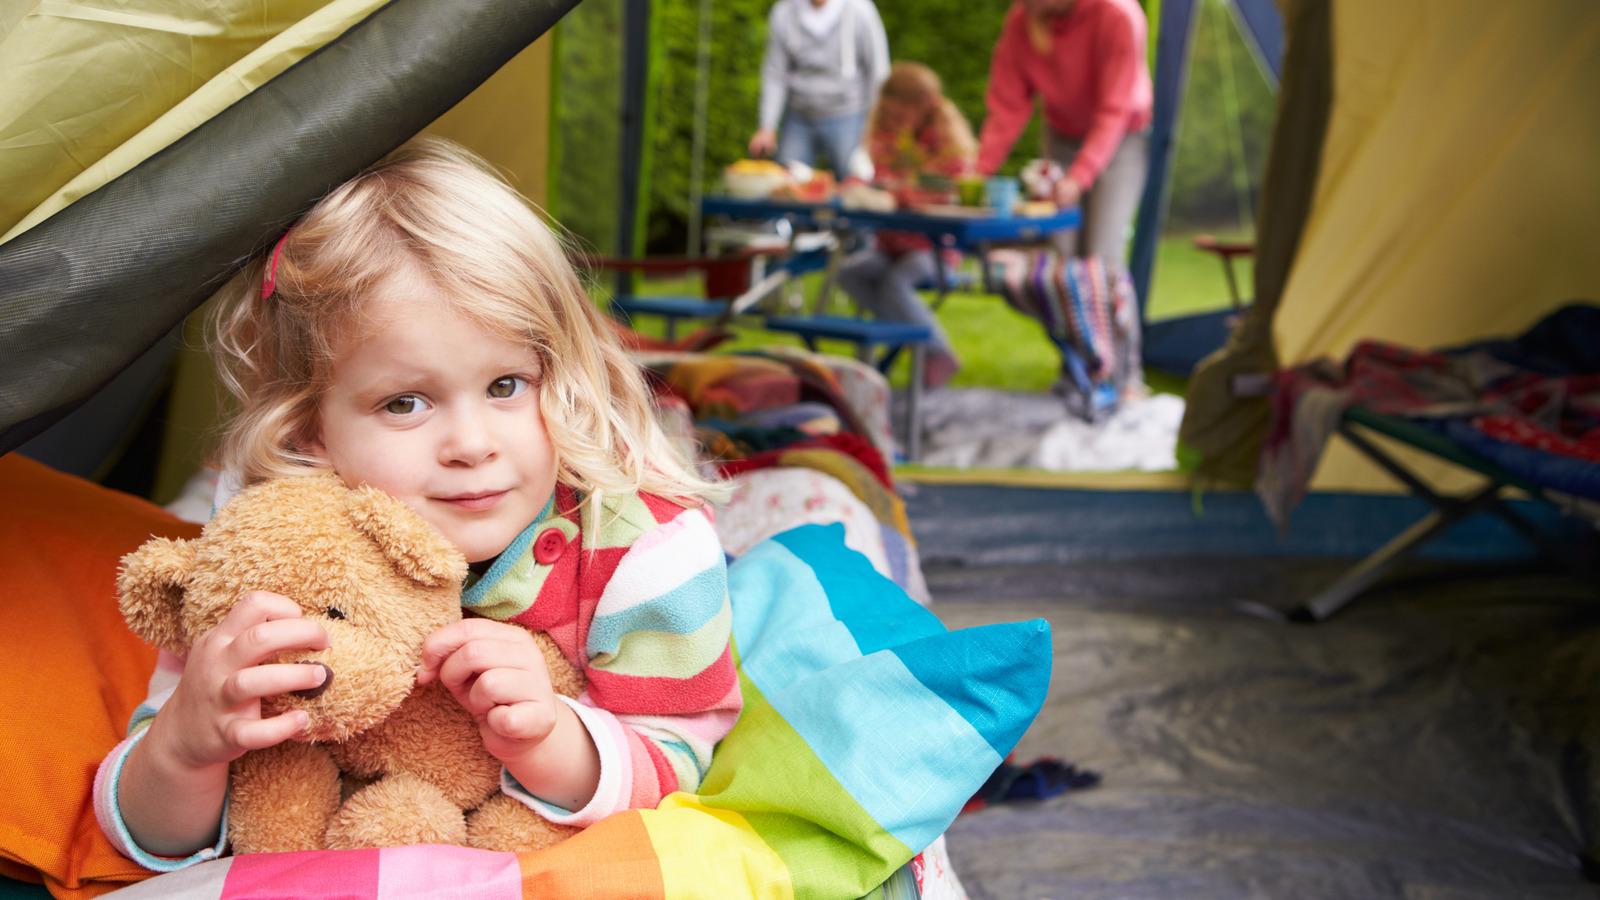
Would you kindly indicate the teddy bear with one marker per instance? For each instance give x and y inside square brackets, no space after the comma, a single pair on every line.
[382,763]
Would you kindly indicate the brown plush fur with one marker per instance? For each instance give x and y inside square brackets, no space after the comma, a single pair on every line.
[380,764]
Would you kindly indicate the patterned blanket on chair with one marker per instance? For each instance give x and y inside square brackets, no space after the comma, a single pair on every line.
[1091,312]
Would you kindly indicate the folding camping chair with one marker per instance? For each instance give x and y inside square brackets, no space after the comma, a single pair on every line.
[867,336]
[1447,511]
[1227,251]
[729,291]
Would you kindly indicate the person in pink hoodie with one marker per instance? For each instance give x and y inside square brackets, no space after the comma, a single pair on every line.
[1086,60]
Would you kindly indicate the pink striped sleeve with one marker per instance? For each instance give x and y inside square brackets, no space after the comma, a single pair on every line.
[662,688]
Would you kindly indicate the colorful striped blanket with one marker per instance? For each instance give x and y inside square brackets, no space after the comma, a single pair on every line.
[866,728]
[1089,310]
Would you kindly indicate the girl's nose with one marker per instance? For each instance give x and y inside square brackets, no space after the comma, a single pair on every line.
[468,442]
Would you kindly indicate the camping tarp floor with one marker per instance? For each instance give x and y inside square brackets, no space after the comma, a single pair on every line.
[1436,740]
[987,428]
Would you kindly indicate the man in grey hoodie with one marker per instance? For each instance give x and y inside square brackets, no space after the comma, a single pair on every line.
[824,62]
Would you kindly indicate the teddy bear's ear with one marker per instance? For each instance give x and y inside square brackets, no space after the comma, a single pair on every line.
[151,585]
[419,552]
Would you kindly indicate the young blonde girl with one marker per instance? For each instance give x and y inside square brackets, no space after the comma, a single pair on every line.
[420,330]
[913,129]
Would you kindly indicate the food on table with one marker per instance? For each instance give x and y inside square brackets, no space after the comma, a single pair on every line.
[754,179]
[917,197]
[857,195]
[758,167]
[1039,178]
[820,188]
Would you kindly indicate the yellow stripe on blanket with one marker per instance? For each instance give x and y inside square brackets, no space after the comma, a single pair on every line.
[709,852]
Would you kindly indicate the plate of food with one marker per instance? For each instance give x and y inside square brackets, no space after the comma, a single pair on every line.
[818,188]
[952,211]
[754,179]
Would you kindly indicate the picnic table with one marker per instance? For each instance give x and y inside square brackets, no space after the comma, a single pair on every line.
[968,229]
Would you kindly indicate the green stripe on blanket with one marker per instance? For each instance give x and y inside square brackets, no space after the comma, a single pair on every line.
[866,725]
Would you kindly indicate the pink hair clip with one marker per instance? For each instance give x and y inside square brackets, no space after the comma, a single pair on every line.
[269,280]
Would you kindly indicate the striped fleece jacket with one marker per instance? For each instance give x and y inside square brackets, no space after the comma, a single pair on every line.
[639,605]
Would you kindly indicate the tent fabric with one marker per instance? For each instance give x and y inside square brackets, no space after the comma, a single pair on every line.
[1456,198]
[72,89]
[1223,429]
[92,286]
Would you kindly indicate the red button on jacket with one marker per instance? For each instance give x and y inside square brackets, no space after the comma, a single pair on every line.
[548,548]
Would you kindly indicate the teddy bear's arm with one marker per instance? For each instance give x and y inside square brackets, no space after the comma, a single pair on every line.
[431,736]
[281,798]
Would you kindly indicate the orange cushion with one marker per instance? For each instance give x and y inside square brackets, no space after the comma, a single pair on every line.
[72,672]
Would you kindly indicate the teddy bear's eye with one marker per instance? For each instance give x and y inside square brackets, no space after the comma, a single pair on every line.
[335,613]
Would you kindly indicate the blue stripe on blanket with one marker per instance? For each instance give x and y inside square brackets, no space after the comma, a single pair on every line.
[873,607]
[907,716]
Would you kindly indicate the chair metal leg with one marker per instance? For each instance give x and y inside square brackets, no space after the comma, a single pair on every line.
[830,275]
[919,364]
[1371,570]
[941,278]
[1576,565]
[1447,511]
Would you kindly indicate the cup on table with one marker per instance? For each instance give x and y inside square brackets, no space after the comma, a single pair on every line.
[1003,191]
[969,188]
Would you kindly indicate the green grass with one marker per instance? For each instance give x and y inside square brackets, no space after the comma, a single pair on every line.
[999,347]
[1188,280]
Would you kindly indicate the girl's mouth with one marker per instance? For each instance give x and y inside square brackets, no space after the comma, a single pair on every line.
[474,502]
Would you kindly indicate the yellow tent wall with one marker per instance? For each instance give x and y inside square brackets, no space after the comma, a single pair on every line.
[1459,193]
[506,120]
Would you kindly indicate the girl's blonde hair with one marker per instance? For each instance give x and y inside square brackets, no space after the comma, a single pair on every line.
[912,84]
[435,205]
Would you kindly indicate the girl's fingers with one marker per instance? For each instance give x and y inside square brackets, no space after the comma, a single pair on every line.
[503,687]
[257,607]
[527,721]
[256,682]
[260,642]
[445,643]
[256,734]
[475,659]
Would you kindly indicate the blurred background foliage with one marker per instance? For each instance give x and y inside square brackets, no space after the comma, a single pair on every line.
[1221,143]
[1226,118]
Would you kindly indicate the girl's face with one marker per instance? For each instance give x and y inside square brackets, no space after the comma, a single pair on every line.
[442,415]
[897,116]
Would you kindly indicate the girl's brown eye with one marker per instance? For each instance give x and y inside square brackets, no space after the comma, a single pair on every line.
[401,406]
[506,386]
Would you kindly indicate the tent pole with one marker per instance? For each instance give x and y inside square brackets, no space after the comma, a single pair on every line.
[1263,30]
[635,78]
[697,154]
[1176,36]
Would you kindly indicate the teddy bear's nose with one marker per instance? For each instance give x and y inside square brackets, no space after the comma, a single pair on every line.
[327,679]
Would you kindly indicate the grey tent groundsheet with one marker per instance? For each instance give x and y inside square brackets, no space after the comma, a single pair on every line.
[966,428]
[1436,741]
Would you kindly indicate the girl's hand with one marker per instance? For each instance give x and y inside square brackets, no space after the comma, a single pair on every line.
[496,672]
[175,780]
[214,715]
